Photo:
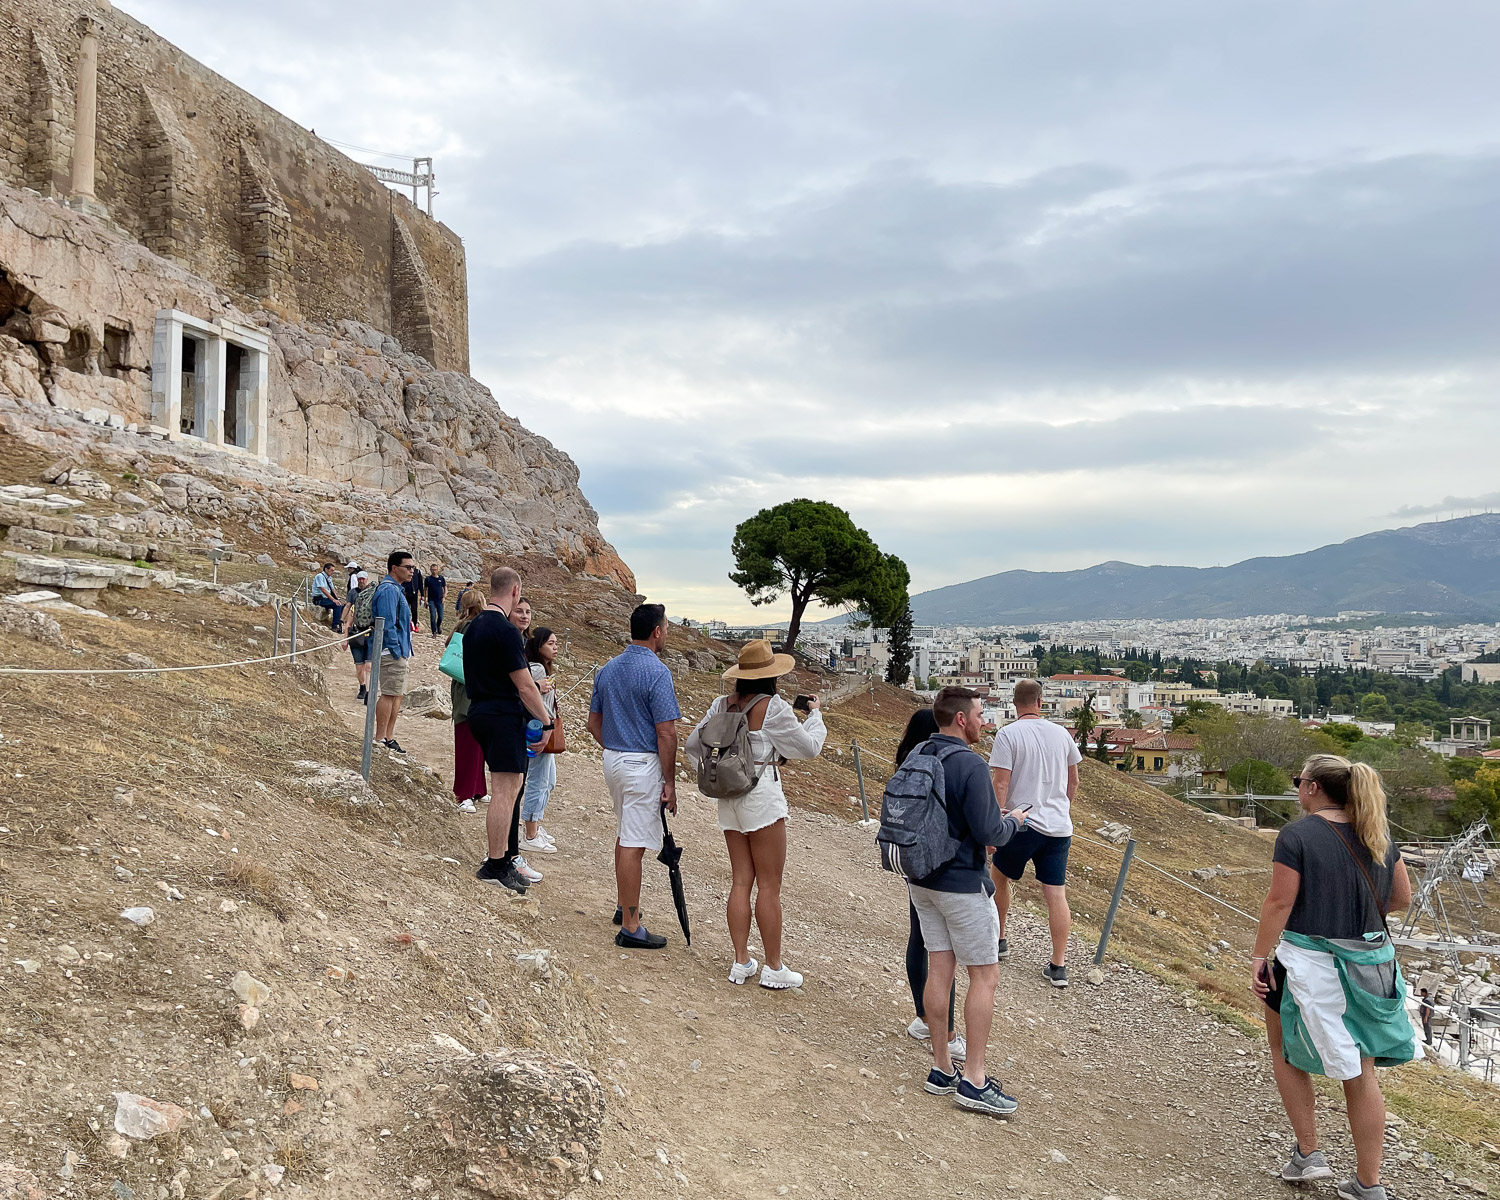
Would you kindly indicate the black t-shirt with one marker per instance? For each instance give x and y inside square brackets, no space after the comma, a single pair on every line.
[1334,900]
[437,586]
[493,648]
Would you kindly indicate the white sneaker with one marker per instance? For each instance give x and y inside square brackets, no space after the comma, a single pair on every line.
[527,872]
[779,980]
[465,806]
[537,845]
[958,1049]
[740,972]
[918,1029]
[545,836]
[484,799]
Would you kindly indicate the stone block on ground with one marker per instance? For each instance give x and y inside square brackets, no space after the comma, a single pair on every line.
[338,784]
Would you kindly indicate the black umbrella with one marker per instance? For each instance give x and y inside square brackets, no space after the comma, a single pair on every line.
[671,855]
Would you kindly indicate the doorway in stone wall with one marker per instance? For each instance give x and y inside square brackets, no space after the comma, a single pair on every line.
[190,356]
[236,428]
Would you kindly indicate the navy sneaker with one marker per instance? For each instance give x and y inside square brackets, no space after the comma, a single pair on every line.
[1055,975]
[1004,951]
[641,939]
[987,1099]
[940,1084]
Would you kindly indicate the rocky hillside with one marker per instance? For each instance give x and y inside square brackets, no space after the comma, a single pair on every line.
[368,445]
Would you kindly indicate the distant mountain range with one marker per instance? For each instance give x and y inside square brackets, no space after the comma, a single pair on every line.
[1450,568]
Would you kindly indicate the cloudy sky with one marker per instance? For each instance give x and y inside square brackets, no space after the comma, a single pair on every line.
[1018,284]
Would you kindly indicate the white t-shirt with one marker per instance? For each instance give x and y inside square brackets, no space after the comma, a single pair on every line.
[1038,753]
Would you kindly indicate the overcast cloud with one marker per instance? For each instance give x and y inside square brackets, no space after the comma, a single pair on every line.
[1019,284]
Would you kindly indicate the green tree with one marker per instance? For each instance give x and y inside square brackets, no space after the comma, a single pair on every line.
[1346,735]
[1085,722]
[1255,775]
[812,550]
[1478,798]
[1373,706]
[1132,719]
[898,663]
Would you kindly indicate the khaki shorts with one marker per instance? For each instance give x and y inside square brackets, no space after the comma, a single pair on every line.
[635,782]
[964,922]
[393,672]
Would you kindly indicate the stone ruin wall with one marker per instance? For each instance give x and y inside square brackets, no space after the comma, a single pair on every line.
[204,174]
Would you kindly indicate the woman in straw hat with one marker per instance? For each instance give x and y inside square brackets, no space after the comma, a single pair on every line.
[754,824]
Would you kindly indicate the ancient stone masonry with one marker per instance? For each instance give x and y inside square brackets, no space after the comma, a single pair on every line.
[102,340]
[204,174]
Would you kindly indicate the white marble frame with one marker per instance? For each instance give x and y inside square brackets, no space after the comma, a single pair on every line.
[166,380]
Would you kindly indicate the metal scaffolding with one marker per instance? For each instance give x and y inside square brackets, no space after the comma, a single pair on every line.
[420,176]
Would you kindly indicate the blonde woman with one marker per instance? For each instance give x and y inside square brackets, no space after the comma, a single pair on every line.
[754,825]
[1325,965]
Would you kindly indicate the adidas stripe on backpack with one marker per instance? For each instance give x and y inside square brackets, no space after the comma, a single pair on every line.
[914,839]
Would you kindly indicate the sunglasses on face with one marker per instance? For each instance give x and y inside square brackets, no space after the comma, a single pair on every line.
[1296,780]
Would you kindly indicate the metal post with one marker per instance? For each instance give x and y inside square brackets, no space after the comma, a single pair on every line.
[1114,901]
[377,640]
[294,627]
[276,633]
[1465,1036]
[859,772]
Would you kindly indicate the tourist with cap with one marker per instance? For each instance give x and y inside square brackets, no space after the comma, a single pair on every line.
[754,824]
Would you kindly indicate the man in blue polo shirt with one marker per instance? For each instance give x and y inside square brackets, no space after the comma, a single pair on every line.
[395,649]
[633,715]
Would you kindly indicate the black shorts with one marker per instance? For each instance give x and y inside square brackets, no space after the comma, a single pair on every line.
[502,737]
[1278,987]
[1048,854]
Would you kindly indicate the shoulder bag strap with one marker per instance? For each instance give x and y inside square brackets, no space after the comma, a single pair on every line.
[1363,870]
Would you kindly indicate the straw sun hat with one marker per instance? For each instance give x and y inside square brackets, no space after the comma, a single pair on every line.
[759,661]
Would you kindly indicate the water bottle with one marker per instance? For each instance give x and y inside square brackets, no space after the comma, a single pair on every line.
[534,736]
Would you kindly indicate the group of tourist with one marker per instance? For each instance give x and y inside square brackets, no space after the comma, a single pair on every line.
[1324,963]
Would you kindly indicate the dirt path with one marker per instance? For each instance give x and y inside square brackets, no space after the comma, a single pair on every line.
[731,1091]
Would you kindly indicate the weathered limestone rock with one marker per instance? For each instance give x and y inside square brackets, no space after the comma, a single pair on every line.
[525,1124]
[337,784]
[347,407]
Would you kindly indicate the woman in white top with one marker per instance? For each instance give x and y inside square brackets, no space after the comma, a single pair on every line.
[754,824]
[541,771]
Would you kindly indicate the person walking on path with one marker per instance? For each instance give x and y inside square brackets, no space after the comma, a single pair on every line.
[1034,767]
[323,597]
[633,715]
[468,756]
[541,771]
[436,587]
[359,647]
[1325,966]
[754,825]
[1425,1007]
[412,588]
[957,918]
[501,695]
[919,728]
[395,650]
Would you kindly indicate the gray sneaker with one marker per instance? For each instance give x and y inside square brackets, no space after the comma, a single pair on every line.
[1304,1168]
[1055,975]
[1352,1189]
[1004,952]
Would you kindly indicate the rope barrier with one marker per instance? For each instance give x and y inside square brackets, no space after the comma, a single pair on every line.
[244,662]
[1145,862]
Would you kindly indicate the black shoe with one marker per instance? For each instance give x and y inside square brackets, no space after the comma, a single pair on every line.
[393,746]
[1055,975]
[641,939]
[500,870]
[364,694]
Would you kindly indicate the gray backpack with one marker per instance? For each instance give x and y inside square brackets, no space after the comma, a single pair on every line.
[914,840]
[726,768]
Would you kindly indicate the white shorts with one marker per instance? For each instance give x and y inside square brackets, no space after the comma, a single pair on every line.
[760,807]
[635,783]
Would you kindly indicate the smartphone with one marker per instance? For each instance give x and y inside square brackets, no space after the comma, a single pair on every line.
[801,704]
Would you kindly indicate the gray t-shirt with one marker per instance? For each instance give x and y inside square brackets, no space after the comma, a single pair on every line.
[1334,900]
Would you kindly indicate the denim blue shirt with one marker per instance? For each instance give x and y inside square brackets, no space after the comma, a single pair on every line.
[390,603]
[633,693]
